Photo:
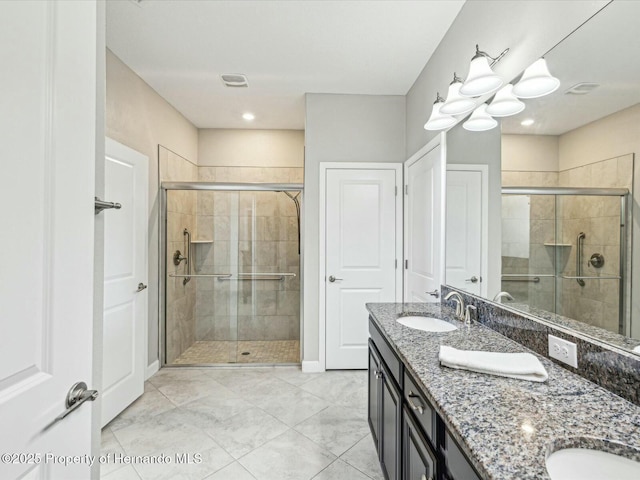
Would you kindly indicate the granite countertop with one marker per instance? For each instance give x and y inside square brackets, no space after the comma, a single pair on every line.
[504,425]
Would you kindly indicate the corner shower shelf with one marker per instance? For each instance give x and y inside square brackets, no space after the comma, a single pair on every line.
[557,244]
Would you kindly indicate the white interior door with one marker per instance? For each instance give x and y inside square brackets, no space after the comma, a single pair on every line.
[466,227]
[361,248]
[48,137]
[424,230]
[125,279]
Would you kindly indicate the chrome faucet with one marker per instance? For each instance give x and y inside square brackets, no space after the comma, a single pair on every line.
[501,295]
[459,304]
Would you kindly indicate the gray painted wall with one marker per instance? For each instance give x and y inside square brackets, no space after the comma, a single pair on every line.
[341,128]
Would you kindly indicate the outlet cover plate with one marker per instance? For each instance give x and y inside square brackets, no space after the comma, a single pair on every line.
[563,350]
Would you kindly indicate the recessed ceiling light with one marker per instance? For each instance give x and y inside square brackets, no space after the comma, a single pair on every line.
[248,116]
[528,122]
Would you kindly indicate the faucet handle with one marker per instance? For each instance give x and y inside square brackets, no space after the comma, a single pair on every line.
[467,313]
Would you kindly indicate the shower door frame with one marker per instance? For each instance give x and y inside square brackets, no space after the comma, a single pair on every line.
[625,233]
[162,246]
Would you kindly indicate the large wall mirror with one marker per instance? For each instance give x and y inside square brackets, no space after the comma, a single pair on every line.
[561,221]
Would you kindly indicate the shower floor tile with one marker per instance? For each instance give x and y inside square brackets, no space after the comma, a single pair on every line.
[268,351]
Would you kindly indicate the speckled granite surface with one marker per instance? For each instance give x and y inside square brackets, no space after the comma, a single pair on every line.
[616,370]
[505,426]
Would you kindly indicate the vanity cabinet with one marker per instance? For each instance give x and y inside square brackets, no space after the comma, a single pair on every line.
[410,437]
[385,414]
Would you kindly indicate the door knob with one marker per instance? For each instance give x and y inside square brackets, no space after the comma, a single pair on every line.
[78,394]
[333,279]
[141,286]
[435,293]
[473,279]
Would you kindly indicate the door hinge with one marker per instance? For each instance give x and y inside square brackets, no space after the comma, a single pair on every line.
[396,190]
[406,264]
[406,189]
[396,263]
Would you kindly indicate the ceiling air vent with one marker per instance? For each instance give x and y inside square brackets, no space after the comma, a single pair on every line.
[582,88]
[234,80]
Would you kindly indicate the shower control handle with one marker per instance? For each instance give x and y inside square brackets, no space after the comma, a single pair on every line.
[333,279]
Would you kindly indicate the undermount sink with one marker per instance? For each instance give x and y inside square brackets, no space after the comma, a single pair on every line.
[594,464]
[427,324]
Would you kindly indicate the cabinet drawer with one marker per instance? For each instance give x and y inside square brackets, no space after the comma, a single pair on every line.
[387,354]
[458,467]
[421,408]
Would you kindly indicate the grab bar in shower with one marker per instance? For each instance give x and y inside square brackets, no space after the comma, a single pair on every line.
[214,275]
[187,249]
[604,277]
[579,241]
[521,278]
[260,276]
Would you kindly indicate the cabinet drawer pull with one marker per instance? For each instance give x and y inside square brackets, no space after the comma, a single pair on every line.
[377,373]
[413,406]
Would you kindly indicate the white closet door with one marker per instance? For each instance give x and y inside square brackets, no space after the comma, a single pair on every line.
[360,254]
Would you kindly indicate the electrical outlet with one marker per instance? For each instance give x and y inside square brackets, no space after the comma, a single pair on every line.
[566,352]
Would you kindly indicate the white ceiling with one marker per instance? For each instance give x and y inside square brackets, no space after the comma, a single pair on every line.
[605,50]
[286,49]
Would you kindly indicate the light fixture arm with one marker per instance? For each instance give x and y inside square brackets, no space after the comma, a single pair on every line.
[494,60]
[439,99]
[456,78]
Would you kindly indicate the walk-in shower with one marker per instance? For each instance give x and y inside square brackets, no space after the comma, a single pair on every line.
[564,251]
[230,273]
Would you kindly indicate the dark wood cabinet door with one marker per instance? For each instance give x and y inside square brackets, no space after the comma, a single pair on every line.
[417,457]
[375,386]
[391,428]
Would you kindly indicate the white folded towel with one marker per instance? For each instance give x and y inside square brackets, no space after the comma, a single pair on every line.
[523,366]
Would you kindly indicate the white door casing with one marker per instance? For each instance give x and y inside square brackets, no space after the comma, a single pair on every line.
[48,135]
[360,228]
[466,224]
[424,222]
[125,267]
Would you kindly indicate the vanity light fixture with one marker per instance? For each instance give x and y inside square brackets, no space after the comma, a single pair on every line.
[456,104]
[527,122]
[438,120]
[248,116]
[536,81]
[482,79]
[480,120]
[505,103]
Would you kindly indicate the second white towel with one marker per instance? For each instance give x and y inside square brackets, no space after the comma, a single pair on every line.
[523,366]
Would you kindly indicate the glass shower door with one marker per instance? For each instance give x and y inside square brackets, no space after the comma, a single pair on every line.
[242,302]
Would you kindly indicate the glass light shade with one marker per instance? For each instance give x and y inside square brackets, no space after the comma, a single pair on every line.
[480,120]
[481,79]
[456,104]
[505,103]
[437,120]
[536,81]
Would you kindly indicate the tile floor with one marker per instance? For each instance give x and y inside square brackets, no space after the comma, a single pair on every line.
[246,424]
[267,351]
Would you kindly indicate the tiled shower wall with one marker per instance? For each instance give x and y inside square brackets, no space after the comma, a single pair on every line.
[251,232]
[181,214]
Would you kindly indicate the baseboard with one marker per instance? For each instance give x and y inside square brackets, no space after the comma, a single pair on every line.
[151,370]
[312,367]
